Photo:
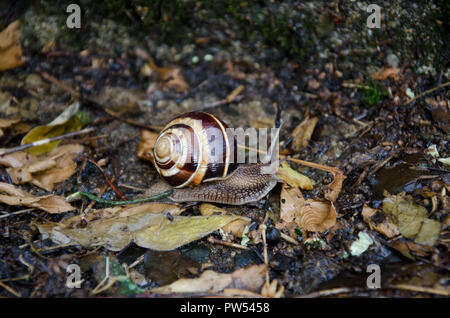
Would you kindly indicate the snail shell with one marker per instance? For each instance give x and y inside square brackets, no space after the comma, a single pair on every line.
[194,148]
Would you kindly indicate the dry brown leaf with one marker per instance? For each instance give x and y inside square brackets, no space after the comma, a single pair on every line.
[380,222]
[386,72]
[302,133]
[10,47]
[316,216]
[236,227]
[44,170]
[294,178]
[310,215]
[146,145]
[171,78]
[409,248]
[12,195]
[250,279]
[335,187]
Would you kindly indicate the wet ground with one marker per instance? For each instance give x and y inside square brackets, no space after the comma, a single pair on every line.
[294,55]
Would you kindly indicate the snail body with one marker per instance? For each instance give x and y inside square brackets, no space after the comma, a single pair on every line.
[197,158]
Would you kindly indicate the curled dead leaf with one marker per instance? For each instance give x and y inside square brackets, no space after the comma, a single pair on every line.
[248,279]
[12,195]
[171,78]
[316,216]
[10,47]
[303,132]
[44,170]
[146,145]
[380,222]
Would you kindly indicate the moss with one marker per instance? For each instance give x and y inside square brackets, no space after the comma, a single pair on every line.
[373,93]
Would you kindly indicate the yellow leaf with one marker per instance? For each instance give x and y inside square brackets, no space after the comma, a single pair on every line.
[65,123]
[294,178]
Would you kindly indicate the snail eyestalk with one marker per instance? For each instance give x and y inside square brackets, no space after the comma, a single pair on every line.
[90,196]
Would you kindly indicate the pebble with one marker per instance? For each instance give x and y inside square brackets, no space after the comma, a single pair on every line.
[392,60]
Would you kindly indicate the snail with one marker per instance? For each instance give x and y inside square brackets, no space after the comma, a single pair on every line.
[196,157]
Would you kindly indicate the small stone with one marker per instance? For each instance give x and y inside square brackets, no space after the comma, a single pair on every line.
[208,58]
[392,60]
[195,59]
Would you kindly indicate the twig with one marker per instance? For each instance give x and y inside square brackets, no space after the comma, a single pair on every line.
[113,187]
[422,289]
[221,102]
[47,140]
[427,92]
[17,212]
[329,292]
[12,291]
[91,196]
[229,244]
[288,238]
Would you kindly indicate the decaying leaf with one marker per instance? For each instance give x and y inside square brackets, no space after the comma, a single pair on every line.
[303,132]
[171,78]
[380,222]
[15,125]
[120,100]
[409,248]
[68,121]
[384,73]
[146,226]
[361,244]
[335,187]
[146,145]
[293,177]
[411,218]
[236,227]
[44,170]
[310,215]
[12,195]
[10,47]
[249,279]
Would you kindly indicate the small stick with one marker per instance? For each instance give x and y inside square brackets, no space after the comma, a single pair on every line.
[12,291]
[288,238]
[427,92]
[47,141]
[229,244]
[113,187]
[15,213]
[92,197]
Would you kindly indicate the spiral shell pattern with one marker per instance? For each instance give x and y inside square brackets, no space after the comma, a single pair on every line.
[194,148]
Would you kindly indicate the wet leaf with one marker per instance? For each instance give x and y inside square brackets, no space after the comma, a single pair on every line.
[146,145]
[10,47]
[412,219]
[361,244]
[171,78]
[44,170]
[303,132]
[250,279]
[310,215]
[409,248]
[385,73]
[68,121]
[380,222]
[294,178]
[12,195]
[148,225]
[335,187]
[236,227]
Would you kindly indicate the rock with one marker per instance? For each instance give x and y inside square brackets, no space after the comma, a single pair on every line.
[392,60]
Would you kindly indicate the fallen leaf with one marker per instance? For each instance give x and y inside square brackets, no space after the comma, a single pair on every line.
[44,170]
[409,248]
[294,178]
[316,216]
[361,244]
[12,195]
[147,225]
[10,47]
[302,133]
[335,187]
[171,78]
[68,121]
[250,279]
[236,227]
[310,215]
[386,72]
[120,100]
[380,222]
[411,218]
[146,145]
